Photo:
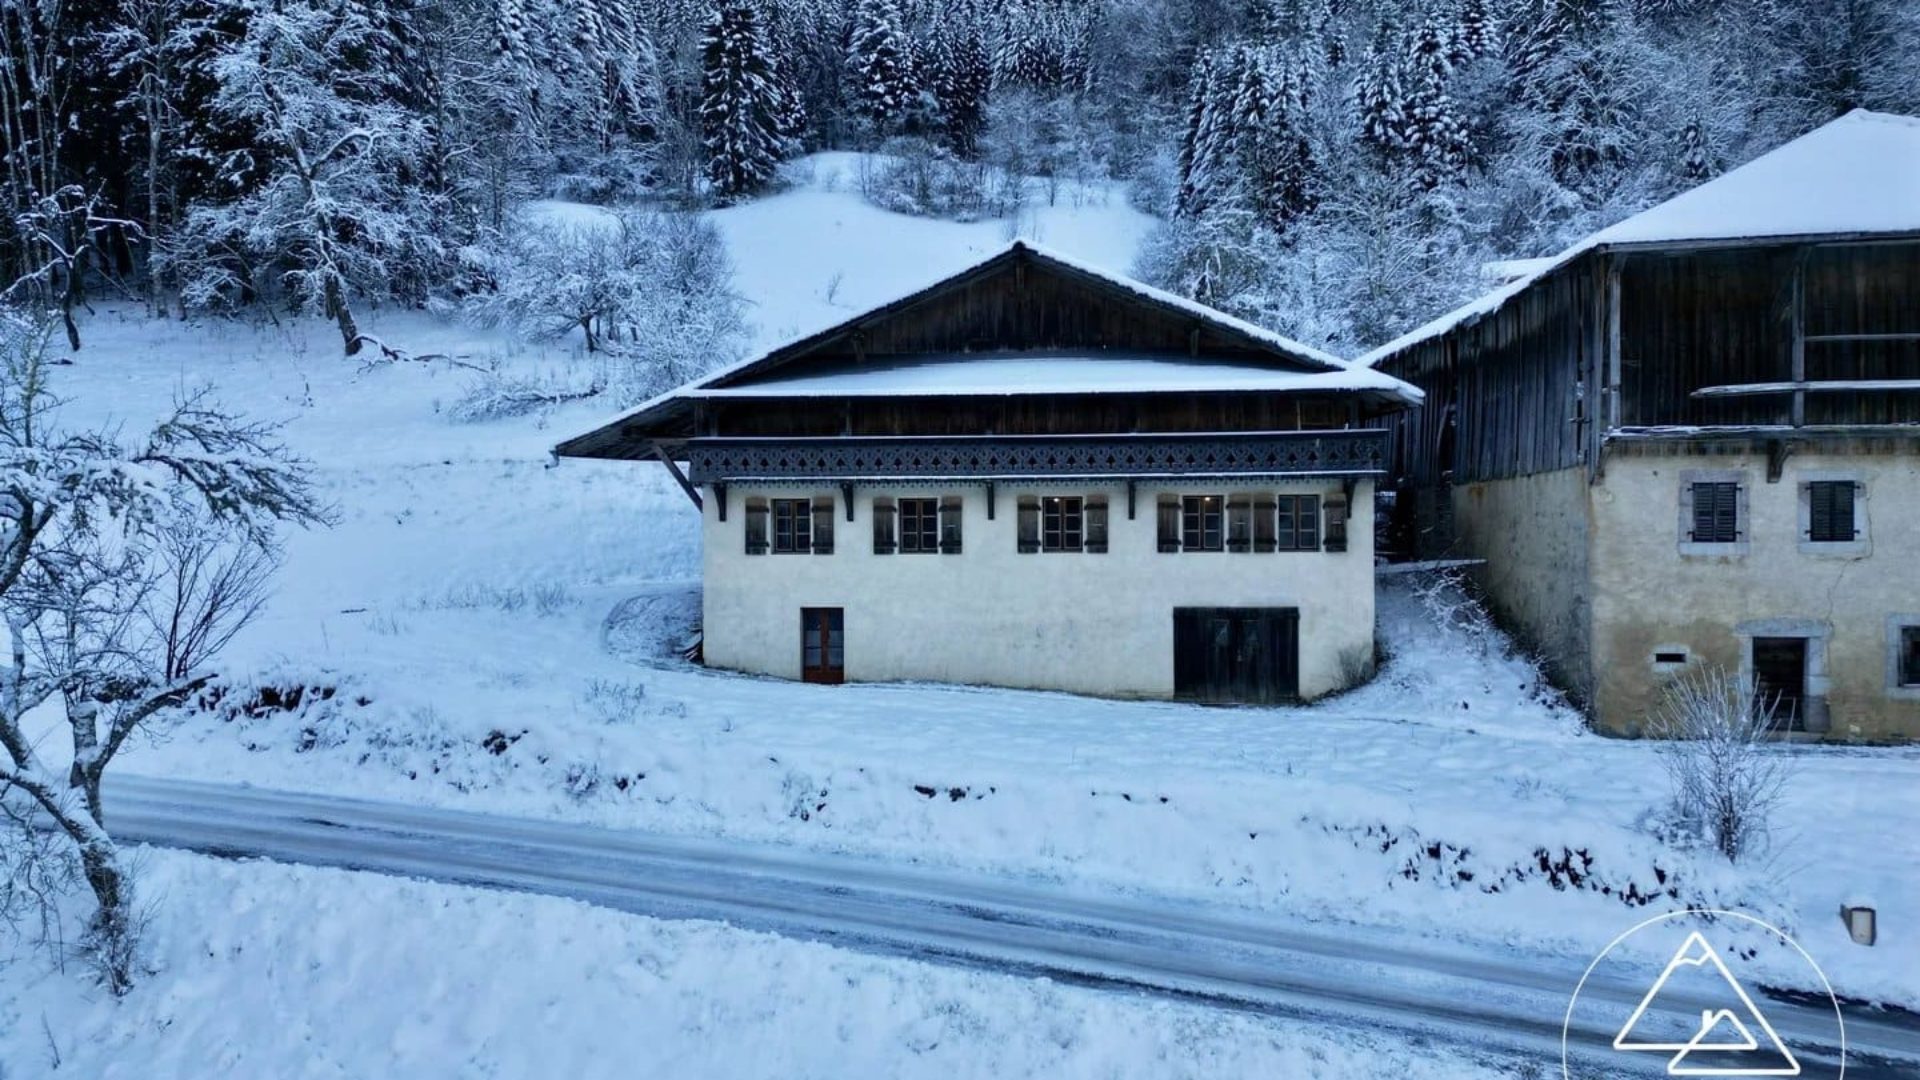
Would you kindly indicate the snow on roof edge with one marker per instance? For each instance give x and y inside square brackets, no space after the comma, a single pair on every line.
[1621,233]
[1405,391]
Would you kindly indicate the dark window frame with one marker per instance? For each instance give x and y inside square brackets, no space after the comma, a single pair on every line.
[1907,663]
[792,526]
[1063,523]
[918,525]
[1298,527]
[1203,523]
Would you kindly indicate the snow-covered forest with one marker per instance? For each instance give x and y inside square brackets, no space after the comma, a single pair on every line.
[1335,169]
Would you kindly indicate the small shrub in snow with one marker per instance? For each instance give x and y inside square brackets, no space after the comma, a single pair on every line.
[1717,736]
[616,701]
[651,291]
[497,394]
[915,176]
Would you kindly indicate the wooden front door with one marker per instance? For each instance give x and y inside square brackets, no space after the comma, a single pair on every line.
[1236,655]
[823,645]
[1780,678]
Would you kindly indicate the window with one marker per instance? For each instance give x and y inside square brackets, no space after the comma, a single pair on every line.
[1909,664]
[756,526]
[792,526]
[1716,512]
[1097,525]
[1169,515]
[950,525]
[1240,523]
[919,526]
[1062,523]
[884,542]
[1830,517]
[1200,523]
[1335,513]
[1299,523]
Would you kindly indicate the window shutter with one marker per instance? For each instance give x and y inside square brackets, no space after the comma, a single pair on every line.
[1336,514]
[756,526]
[823,525]
[1096,525]
[1240,523]
[950,526]
[1716,512]
[1029,524]
[1266,509]
[1169,514]
[883,534]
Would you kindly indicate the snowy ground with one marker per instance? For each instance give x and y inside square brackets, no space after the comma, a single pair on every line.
[488,630]
[272,971]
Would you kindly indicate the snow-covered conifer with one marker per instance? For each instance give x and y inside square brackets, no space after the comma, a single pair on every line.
[745,110]
[880,71]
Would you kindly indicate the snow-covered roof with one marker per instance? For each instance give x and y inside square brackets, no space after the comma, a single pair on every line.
[994,373]
[1272,362]
[1859,174]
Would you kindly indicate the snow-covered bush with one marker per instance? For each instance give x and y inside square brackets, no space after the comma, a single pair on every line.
[1717,746]
[911,175]
[499,393]
[651,291]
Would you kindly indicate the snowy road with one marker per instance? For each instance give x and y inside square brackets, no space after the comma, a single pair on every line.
[1482,1003]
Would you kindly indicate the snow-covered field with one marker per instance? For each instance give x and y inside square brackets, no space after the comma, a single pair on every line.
[289,972]
[486,629]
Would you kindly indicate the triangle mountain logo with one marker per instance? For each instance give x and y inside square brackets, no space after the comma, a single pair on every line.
[1733,1039]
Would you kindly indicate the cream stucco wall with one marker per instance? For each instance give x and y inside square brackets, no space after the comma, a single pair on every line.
[1648,595]
[1089,623]
[1532,531]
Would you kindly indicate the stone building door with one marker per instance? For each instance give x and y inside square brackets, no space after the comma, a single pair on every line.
[1236,655]
[1780,678]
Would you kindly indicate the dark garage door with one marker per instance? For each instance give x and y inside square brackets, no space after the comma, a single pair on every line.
[1243,655]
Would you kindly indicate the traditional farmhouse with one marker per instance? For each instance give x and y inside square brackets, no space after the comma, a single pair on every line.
[1033,474]
[1694,438]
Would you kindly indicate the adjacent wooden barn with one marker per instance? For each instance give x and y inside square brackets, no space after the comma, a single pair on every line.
[1693,439]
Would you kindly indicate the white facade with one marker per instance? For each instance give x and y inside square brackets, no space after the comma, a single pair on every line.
[1094,623]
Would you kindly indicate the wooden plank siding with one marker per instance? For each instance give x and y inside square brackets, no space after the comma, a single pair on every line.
[1512,384]
[1531,385]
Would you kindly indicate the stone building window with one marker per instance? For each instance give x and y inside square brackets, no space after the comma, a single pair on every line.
[1903,656]
[1833,513]
[1713,512]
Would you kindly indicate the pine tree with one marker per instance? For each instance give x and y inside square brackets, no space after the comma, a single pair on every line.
[959,76]
[1206,148]
[1268,120]
[745,112]
[880,67]
[1478,35]
[1381,92]
[1435,134]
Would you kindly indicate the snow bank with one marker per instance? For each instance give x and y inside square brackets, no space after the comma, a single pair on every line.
[274,971]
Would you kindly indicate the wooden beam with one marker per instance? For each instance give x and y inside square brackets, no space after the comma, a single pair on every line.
[720,500]
[1820,386]
[1777,451]
[1817,339]
[1799,413]
[1132,493]
[989,500]
[665,454]
[846,492]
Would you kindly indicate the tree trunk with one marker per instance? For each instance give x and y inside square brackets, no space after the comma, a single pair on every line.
[342,314]
[112,933]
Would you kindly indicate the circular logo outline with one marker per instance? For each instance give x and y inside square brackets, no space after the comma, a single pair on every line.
[1566,1023]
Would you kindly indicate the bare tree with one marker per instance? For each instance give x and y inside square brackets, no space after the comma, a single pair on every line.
[1727,777]
[121,575]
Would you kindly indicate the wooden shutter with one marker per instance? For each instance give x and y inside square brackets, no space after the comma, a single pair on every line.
[1265,510]
[823,525]
[1830,511]
[1096,525]
[756,526]
[1169,514]
[1336,514]
[1029,524]
[883,534]
[1240,523]
[950,525]
[1716,512]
